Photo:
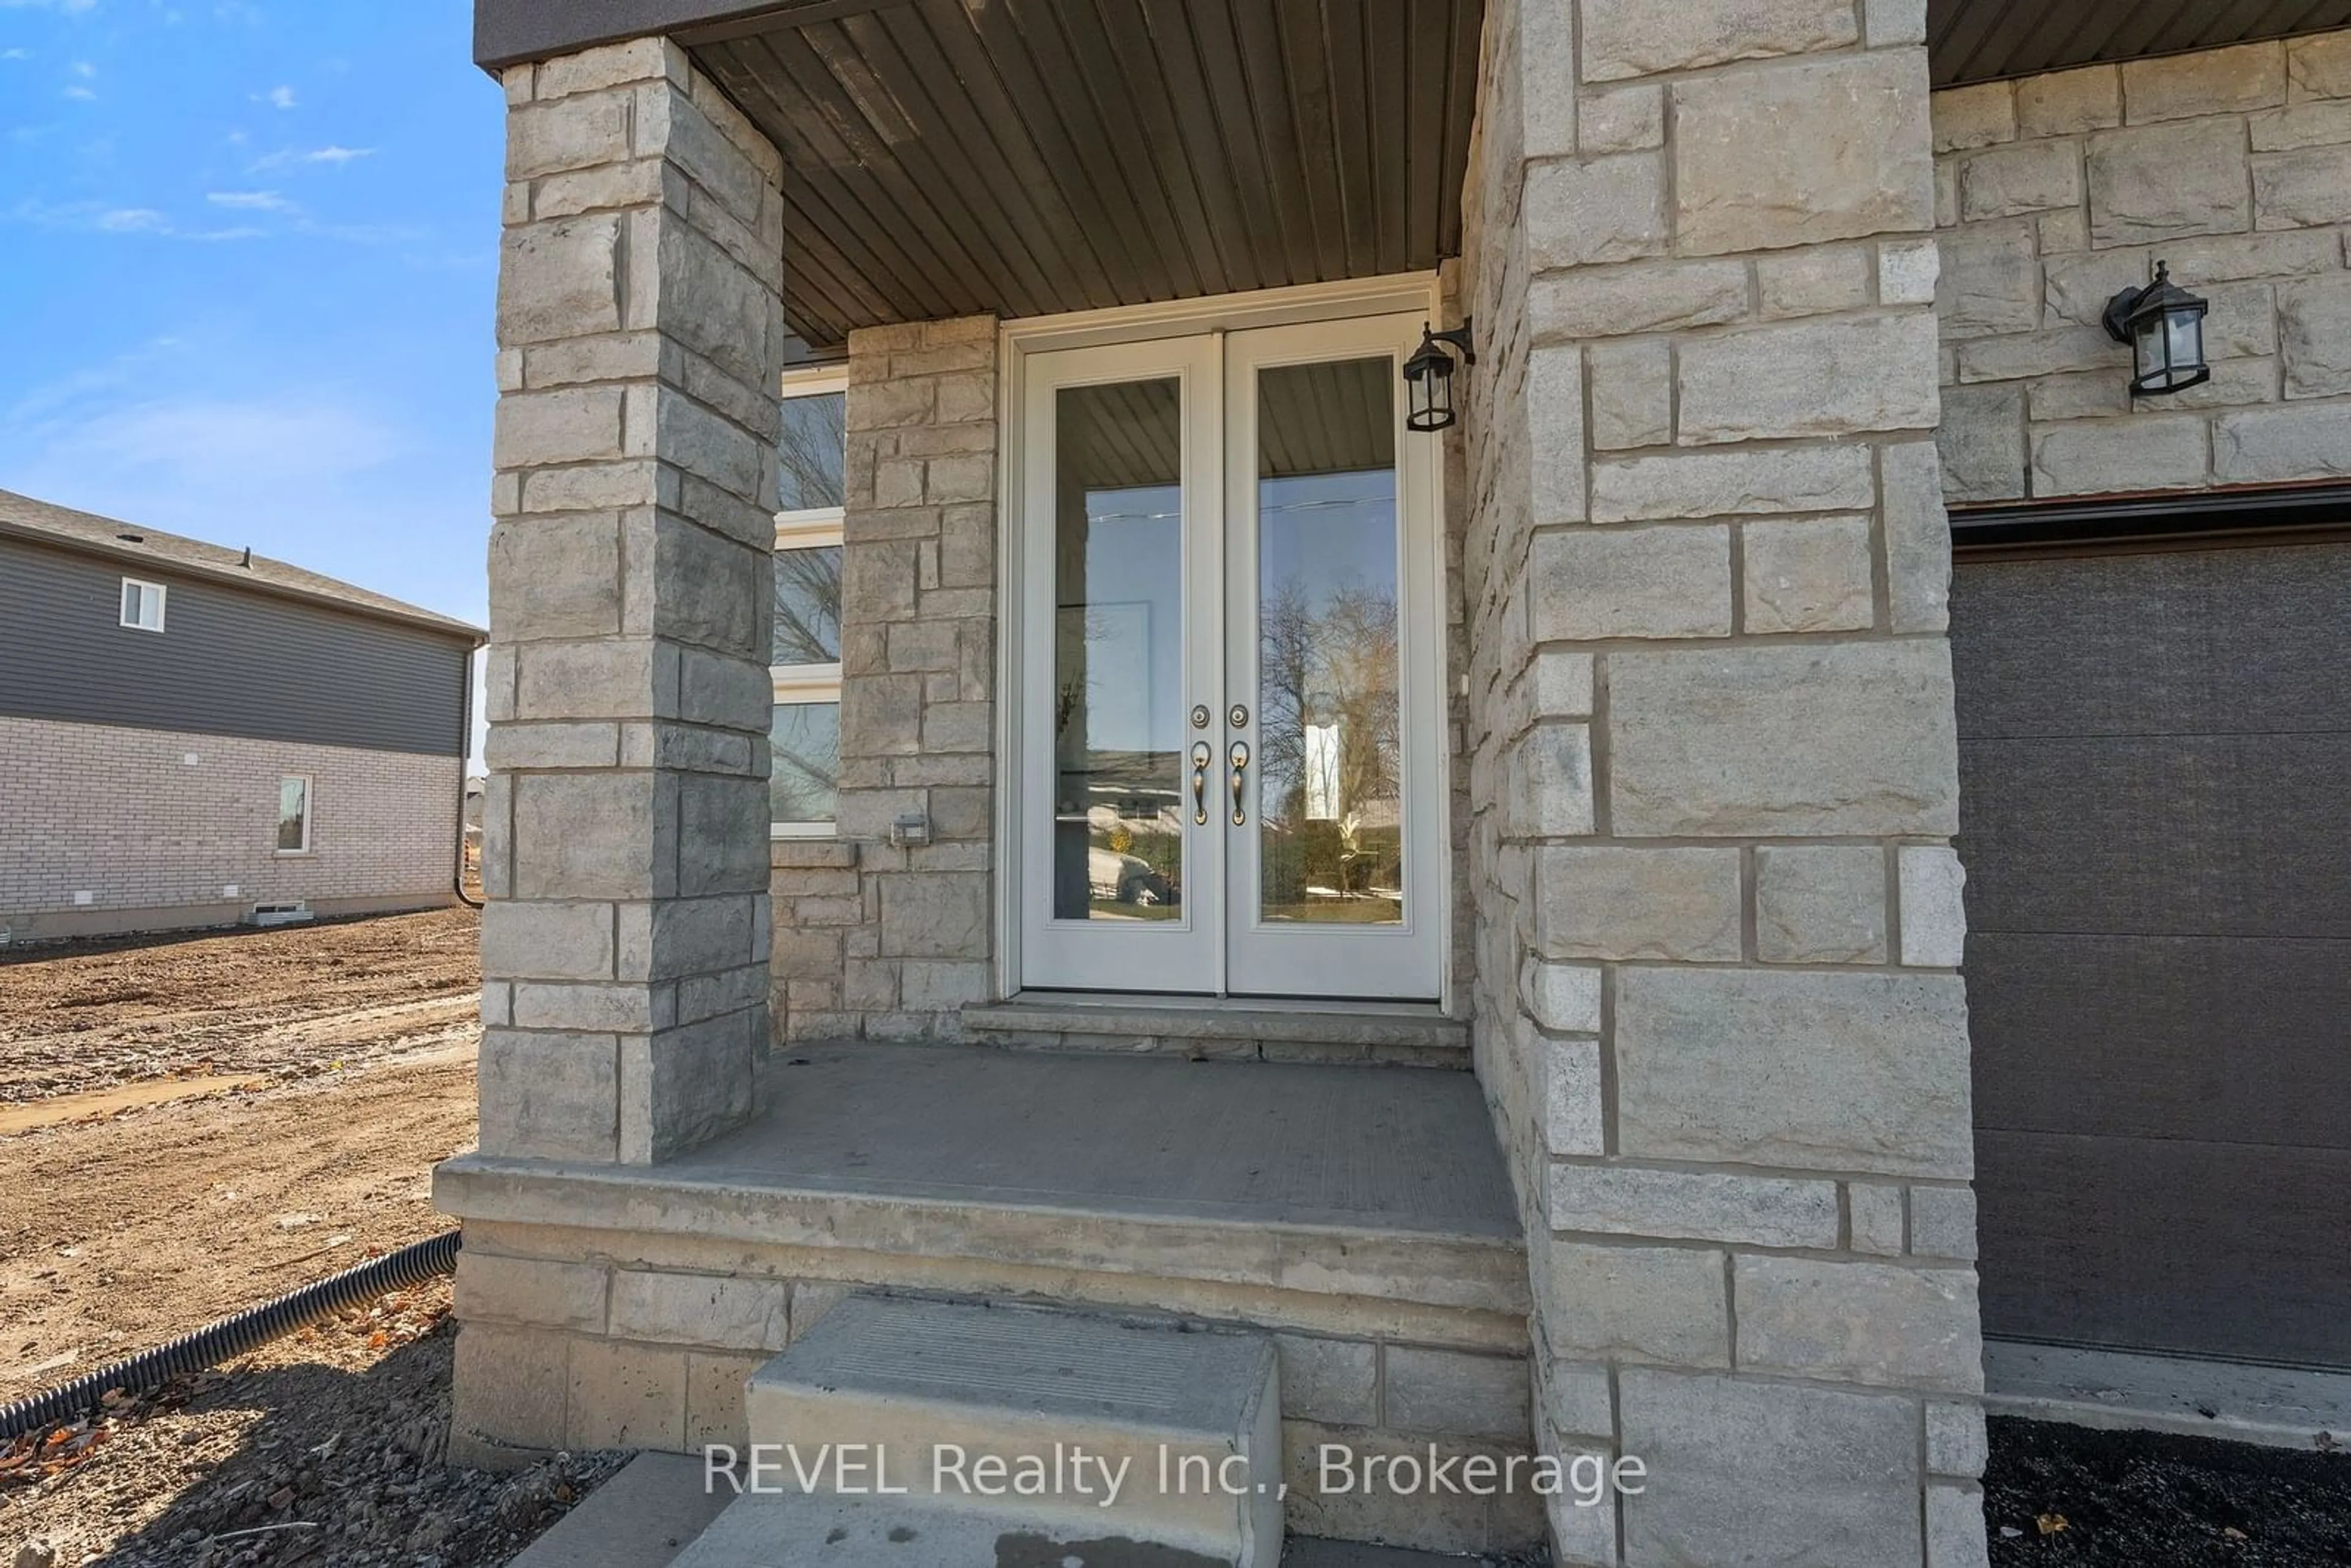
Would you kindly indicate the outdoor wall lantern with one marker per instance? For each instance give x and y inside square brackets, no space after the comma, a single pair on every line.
[1429,374]
[2164,325]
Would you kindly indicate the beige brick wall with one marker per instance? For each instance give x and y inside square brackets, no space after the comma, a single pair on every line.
[2055,191]
[127,817]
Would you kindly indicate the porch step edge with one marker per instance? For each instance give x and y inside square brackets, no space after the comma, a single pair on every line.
[900,1382]
[1390,1035]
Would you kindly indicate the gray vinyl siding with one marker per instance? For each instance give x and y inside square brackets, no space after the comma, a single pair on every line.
[228,662]
[2155,751]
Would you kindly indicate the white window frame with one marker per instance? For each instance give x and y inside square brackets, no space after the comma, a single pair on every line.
[163,603]
[310,814]
[814,527]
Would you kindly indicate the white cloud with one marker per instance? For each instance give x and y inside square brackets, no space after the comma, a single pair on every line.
[71,7]
[83,93]
[15,54]
[249,201]
[333,156]
[84,69]
[96,218]
[276,97]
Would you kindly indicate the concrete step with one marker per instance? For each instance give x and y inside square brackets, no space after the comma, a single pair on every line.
[1064,1425]
[659,1502]
[802,1529]
[1395,1034]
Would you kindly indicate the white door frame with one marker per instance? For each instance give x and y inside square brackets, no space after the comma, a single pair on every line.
[1016,340]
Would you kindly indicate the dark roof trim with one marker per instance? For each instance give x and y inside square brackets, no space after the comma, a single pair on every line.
[2176,518]
[1972,41]
[150,564]
[508,31]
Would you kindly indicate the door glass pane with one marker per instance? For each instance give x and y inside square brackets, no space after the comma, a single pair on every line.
[1118,672]
[804,776]
[1329,788]
[807,606]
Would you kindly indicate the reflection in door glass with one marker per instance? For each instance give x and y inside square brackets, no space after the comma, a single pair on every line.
[1330,808]
[1118,676]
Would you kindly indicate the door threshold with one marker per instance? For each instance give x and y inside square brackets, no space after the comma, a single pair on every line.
[1349,1007]
[1414,1034]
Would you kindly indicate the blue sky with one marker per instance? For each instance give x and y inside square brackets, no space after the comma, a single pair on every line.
[247,260]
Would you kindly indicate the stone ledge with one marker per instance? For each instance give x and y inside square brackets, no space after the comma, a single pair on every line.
[1455,1272]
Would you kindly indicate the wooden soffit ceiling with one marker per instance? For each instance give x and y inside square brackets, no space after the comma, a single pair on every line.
[1022,157]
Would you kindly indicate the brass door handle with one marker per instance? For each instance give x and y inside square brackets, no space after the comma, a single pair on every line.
[1241,759]
[1201,756]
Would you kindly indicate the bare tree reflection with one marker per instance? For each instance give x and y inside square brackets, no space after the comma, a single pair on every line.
[808,607]
[812,452]
[804,776]
[1327,687]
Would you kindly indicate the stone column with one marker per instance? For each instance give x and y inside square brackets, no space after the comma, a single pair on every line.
[1718,1007]
[624,951]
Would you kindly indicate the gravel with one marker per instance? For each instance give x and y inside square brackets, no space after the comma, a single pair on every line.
[2059,1494]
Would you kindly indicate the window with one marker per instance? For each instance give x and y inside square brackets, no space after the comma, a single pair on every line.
[142,605]
[805,662]
[294,814]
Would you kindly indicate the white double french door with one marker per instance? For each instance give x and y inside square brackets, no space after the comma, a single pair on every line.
[1231,730]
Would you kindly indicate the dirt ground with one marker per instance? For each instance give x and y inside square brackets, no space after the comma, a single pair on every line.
[119,1228]
[118,1234]
[2067,1495]
[277,1006]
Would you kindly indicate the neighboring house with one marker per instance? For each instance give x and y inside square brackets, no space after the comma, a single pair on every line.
[193,735]
[1135,685]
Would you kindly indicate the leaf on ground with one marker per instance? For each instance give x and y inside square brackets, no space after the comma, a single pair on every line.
[2051,1523]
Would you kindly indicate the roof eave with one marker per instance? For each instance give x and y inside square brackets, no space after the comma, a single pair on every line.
[229,577]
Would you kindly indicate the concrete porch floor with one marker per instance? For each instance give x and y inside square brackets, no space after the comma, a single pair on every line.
[1292,1144]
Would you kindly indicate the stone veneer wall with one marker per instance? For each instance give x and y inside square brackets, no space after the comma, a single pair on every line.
[873,939]
[640,333]
[1718,1014]
[625,1338]
[2056,191]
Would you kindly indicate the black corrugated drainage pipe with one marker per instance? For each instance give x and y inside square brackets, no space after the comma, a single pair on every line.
[233,1336]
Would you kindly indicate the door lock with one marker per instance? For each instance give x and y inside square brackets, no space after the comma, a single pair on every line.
[1239,717]
[1239,758]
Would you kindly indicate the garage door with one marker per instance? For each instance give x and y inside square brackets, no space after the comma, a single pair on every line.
[2155,754]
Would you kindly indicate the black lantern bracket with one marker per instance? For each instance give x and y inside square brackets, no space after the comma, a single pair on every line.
[2164,326]
[1429,374]
[1458,337]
